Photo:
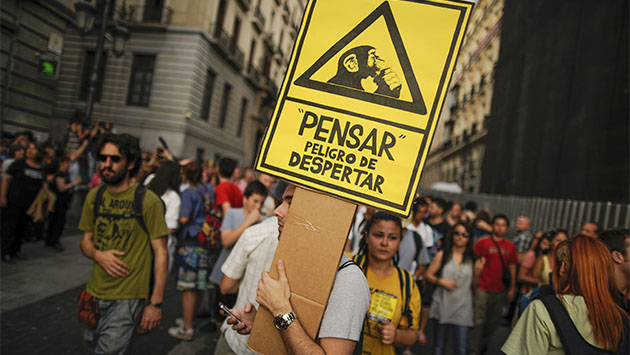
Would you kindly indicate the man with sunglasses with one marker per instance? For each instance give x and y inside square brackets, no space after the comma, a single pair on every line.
[121,241]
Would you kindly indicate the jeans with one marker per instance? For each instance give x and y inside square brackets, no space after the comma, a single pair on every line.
[487,314]
[116,326]
[460,337]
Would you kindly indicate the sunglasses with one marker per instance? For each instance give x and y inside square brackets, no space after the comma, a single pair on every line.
[461,234]
[114,158]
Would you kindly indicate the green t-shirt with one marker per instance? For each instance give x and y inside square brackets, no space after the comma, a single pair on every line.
[534,333]
[126,235]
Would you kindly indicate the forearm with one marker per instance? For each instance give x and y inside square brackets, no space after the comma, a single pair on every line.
[405,336]
[230,237]
[87,246]
[5,185]
[297,341]
[160,270]
[513,272]
[228,285]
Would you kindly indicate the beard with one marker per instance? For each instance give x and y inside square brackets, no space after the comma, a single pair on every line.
[115,179]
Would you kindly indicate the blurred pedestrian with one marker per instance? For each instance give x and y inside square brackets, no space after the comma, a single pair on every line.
[590,229]
[522,237]
[497,283]
[453,272]
[20,185]
[61,186]
[481,224]
[617,240]
[544,262]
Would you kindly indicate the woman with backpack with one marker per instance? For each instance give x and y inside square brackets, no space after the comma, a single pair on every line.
[194,263]
[394,314]
[581,316]
[454,271]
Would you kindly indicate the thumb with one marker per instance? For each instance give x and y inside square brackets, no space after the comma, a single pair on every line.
[281,271]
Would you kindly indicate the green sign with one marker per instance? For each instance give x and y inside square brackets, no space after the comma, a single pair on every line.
[48,67]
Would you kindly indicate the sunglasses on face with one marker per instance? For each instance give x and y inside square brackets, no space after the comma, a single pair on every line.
[461,234]
[114,158]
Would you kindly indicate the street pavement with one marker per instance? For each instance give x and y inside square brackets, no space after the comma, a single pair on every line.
[39,315]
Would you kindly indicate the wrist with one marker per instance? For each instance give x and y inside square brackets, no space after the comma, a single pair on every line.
[437,281]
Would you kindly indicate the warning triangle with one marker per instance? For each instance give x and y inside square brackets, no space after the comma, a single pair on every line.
[359,71]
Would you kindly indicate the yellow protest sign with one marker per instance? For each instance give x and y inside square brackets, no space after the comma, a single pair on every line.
[361,97]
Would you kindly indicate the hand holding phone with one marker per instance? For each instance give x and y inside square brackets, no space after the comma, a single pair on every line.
[227,311]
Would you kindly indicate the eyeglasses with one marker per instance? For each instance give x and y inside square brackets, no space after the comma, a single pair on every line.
[114,158]
[461,234]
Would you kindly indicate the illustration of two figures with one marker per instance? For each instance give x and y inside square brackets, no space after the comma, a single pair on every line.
[361,68]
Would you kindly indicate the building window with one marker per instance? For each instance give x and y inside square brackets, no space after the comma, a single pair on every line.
[199,154]
[241,119]
[224,104]
[153,11]
[207,95]
[88,65]
[236,31]
[141,80]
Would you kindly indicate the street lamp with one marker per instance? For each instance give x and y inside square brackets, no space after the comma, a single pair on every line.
[86,14]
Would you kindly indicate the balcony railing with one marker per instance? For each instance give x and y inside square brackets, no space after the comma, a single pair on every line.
[227,48]
[259,20]
[151,14]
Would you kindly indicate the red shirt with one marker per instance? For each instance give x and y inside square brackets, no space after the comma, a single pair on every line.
[228,192]
[490,279]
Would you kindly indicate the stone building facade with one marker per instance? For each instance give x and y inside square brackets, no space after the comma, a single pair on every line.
[458,146]
[204,75]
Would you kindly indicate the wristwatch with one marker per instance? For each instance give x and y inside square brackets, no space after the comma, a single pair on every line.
[282,321]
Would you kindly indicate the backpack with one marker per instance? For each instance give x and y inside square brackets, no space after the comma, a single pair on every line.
[406,284]
[572,341]
[210,235]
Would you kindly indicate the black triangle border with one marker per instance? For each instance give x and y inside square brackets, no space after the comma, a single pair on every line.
[417,104]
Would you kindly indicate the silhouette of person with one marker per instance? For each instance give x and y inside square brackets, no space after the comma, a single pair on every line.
[361,62]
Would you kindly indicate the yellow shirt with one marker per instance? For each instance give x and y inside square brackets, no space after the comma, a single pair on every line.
[386,291]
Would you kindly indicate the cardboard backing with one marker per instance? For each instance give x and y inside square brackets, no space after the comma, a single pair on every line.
[311,245]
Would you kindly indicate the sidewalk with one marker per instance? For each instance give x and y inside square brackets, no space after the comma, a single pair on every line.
[38,306]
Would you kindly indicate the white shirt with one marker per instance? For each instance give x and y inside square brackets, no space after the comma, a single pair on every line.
[425,231]
[252,254]
[171,201]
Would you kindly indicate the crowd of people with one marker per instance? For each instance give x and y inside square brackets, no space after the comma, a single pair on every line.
[449,266]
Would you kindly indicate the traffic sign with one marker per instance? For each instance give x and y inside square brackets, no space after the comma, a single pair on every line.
[360,102]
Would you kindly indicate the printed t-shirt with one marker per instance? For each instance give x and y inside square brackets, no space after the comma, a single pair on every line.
[25,183]
[228,192]
[63,197]
[233,218]
[535,333]
[491,279]
[387,292]
[126,235]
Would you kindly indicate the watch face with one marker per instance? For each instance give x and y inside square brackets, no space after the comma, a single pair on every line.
[282,321]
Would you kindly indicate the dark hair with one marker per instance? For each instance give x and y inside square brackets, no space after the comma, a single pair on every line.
[614,239]
[14,148]
[417,203]
[483,215]
[501,216]
[27,133]
[226,167]
[255,187]
[377,216]
[192,171]
[441,203]
[128,147]
[447,249]
[40,151]
[549,235]
[598,229]
[166,177]
[471,206]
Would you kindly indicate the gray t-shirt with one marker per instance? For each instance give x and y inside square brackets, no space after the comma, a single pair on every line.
[233,218]
[407,250]
[347,305]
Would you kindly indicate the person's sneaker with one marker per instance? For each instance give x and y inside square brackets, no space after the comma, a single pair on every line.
[407,352]
[179,321]
[422,338]
[179,333]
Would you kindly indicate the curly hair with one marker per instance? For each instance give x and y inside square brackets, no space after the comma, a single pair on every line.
[128,146]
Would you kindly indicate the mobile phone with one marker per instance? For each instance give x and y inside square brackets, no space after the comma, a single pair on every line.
[227,311]
[163,142]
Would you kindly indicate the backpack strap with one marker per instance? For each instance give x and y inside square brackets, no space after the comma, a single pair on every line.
[361,261]
[419,244]
[346,264]
[572,341]
[138,199]
[98,200]
[404,278]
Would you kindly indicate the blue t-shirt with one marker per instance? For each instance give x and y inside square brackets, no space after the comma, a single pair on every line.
[233,218]
[193,208]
